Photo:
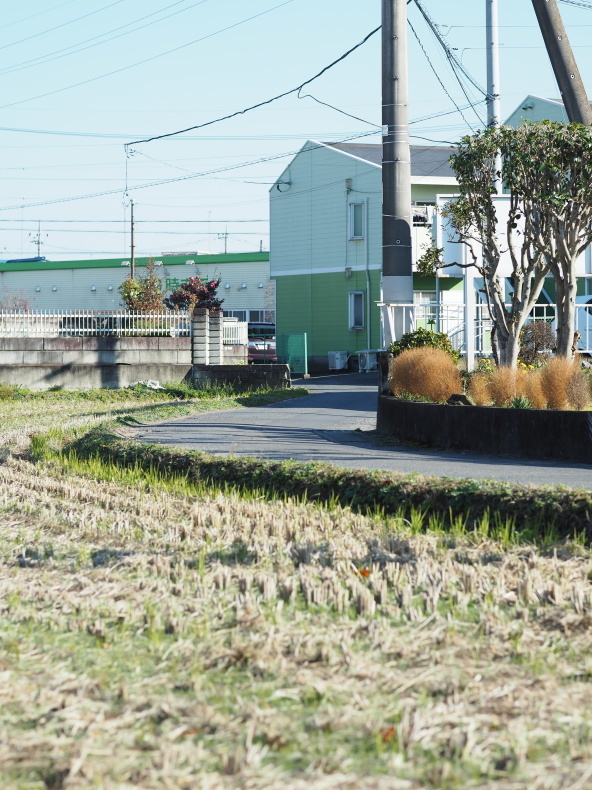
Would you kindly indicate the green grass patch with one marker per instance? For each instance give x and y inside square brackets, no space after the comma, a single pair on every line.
[510,512]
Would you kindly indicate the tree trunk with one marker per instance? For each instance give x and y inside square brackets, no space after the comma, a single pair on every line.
[566,292]
[509,346]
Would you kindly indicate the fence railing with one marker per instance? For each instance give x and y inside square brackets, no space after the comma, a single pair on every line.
[118,323]
[450,319]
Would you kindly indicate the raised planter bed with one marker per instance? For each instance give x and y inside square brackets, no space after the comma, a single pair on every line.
[530,433]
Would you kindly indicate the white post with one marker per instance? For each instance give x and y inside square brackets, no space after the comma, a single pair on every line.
[470,313]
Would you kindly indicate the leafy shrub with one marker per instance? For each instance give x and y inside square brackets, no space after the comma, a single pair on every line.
[424,337]
[537,341]
[520,402]
[502,386]
[143,294]
[425,372]
[479,389]
[195,293]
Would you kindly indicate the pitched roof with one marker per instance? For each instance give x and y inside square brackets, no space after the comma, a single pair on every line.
[426,160]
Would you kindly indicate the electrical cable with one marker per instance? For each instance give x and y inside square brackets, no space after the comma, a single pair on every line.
[449,53]
[147,60]
[51,56]
[163,182]
[326,104]
[577,3]
[39,13]
[64,24]
[444,88]
[260,104]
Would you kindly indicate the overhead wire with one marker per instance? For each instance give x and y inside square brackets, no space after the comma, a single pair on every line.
[149,59]
[64,24]
[62,53]
[163,182]
[262,103]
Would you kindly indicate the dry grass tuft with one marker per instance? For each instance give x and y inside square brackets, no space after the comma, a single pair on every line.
[556,377]
[479,390]
[578,391]
[533,389]
[425,372]
[502,386]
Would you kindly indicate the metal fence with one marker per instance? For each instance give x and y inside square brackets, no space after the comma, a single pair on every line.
[118,323]
[450,319]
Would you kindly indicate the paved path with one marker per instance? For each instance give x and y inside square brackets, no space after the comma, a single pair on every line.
[336,424]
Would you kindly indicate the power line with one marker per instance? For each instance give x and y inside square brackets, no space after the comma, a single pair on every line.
[163,182]
[64,24]
[56,55]
[577,3]
[39,13]
[147,60]
[431,65]
[260,104]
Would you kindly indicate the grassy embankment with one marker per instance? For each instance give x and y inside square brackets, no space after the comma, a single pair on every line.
[156,632]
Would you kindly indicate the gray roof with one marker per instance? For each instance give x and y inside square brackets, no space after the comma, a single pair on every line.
[426,160]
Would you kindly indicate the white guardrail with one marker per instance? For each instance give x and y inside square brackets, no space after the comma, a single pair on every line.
[450,319]
[119,323]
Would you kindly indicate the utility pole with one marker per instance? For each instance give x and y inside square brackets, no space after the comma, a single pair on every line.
[225,237]
[397,261]
[133,247]
[493,65]
[563,61]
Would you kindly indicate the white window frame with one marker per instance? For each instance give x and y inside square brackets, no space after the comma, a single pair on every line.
[352,223]
[352,297]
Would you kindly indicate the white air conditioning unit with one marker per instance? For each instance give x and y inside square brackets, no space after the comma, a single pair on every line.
[367,360]
[337,360]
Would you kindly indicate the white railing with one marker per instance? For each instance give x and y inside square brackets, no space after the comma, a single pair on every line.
[119,323]
[93,323]
[235,333]
[450,319]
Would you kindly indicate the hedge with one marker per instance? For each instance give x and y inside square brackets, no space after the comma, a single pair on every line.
[537,511]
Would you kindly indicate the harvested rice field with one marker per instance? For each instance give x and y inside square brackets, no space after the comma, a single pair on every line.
[153,637]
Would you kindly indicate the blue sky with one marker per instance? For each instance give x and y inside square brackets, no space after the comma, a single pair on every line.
[224,61]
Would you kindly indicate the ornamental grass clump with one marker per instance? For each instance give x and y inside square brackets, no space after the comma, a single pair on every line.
[533,389]
[479,389]
[578,391]
[425,373]
[556,377]
[502,386]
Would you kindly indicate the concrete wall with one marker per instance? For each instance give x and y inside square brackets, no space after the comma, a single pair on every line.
[94,351]
[85,377]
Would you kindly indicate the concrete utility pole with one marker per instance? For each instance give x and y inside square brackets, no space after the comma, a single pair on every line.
[133,247]
[563,61]
[397,261]
[493,65]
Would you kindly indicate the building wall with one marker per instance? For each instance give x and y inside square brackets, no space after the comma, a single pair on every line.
[536,109]
[313,260]
[74,281]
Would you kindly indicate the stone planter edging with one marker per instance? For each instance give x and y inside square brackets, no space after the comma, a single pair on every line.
[528,433]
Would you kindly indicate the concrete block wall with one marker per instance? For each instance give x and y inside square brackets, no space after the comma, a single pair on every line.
[94,350]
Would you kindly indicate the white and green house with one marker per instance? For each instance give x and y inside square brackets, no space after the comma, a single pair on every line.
[326,243]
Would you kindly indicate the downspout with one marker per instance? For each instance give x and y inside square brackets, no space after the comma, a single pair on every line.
[367,263]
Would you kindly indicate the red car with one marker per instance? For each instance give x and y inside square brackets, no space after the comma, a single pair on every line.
[262,350]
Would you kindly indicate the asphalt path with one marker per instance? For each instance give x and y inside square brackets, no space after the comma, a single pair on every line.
[336,424]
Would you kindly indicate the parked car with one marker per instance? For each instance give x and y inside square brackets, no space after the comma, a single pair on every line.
[262,350]
[258,329]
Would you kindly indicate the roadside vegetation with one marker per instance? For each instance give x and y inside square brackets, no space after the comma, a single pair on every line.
[168,629]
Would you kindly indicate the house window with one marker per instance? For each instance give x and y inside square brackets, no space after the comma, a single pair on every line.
[356,220]
[356,309]
[427,314]
[240,315]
